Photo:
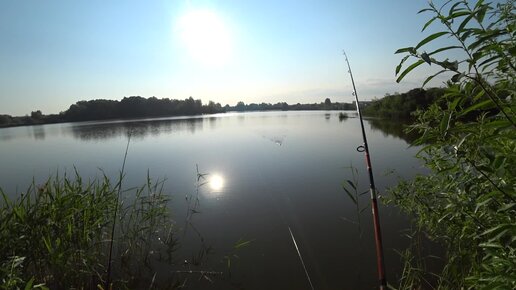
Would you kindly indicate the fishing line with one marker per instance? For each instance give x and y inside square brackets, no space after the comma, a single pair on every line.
[301,258]
[280,213]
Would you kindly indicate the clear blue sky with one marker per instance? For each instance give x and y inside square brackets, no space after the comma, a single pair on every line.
[55,53]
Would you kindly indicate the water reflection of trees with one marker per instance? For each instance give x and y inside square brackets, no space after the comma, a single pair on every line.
[395,128]
[5,134]
[138,129]
[38,132]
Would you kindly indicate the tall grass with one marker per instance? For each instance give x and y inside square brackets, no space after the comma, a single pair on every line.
[57,235]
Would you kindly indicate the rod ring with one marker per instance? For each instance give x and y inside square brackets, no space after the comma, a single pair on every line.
[361,148]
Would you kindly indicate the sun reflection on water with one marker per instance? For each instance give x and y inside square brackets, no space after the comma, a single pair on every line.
[216,182]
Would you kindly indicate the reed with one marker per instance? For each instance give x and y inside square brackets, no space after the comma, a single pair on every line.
[57,235]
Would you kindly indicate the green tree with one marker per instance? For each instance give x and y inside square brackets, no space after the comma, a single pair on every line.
[467,202]
[5,119]
[240,106]
[37,115]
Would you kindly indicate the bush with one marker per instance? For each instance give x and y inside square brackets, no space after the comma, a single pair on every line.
[468,202]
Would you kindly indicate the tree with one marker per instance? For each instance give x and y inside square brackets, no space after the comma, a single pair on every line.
[240,106]
[468,202]
[36,115]
[5,119]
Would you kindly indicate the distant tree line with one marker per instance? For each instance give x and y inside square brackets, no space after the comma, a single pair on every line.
[402,106]
[128,107]
[282,106]
[399,106]
[36,117]
[139,107]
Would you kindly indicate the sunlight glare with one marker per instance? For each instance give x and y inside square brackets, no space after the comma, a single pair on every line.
[206,37]
[216,182]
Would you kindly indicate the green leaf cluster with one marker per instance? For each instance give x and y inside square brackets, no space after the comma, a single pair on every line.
[467,202]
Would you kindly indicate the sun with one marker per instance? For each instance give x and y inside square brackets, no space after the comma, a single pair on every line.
[205,36]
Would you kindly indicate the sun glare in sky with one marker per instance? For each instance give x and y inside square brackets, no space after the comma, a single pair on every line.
[205,36]
[55,53]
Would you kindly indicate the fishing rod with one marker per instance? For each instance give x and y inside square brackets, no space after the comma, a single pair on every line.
[374,204]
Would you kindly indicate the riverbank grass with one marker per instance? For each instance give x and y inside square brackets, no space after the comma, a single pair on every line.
[57,235]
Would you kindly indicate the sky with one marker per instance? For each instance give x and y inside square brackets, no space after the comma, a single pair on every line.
[55,53]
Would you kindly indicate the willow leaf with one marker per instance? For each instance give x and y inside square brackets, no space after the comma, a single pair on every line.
[445,123]
[482,13]
[443,49]
[452,107]
[464,22]
[432,76]
[408,69]
[452,9]
[478,96]
[480,105]
[458,14]
[423,10]
[479,3]
[428,23]
[466,34]
[490,61]
[405,49]
[398,68]
[430,38]
[490,35]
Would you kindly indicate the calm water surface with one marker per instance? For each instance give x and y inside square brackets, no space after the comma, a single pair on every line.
[268,171]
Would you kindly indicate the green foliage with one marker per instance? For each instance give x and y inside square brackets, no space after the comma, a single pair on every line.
[10,275]
[137,107]
[468,202]
[402,106]
[486,44]
[56,235]
[282,106]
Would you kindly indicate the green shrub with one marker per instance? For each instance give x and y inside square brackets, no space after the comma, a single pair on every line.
[467,202]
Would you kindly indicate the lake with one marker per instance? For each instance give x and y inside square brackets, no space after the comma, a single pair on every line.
[267,172]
